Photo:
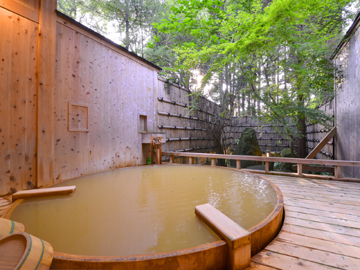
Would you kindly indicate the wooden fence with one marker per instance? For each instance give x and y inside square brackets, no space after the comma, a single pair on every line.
[316,132]
[270,137]
[299,161]
[184,131]
[187,132]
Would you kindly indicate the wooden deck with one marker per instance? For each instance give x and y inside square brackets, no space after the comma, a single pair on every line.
[321,228]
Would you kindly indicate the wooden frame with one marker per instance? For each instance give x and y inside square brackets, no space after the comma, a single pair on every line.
[142,122]
[71,129]
[321,144]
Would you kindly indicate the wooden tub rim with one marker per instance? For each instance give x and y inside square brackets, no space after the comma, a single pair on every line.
[278,210]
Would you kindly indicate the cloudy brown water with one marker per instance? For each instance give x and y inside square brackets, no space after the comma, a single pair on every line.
[143,210]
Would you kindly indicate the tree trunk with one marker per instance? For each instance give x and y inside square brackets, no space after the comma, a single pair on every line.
[302,130]
[221,82]
[292,146]
[302,139]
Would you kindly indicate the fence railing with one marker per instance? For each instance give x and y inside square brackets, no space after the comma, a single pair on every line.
[299,161]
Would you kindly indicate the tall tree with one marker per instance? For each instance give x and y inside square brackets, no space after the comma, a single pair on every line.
[281,49]
[85,12]
[133,20]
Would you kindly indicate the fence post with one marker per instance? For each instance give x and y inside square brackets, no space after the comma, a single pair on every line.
[267,167]
[171,159]
[267,164]
[213,162]
[191,160]
[299,170]
[337,171]
[238,164]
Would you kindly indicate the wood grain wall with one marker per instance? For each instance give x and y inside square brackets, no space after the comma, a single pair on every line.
[115,88]
[347,104]
[18,102]
[46,67]
[34,4]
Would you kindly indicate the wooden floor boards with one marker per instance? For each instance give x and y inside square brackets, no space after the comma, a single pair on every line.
[321,228]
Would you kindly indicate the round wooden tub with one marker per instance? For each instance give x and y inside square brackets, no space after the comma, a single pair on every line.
[209,256]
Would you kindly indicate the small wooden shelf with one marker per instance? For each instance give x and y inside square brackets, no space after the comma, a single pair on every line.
[78,118]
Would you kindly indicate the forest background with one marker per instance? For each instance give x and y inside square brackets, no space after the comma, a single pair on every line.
[269,59]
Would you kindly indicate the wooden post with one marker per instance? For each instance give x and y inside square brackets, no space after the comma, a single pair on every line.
[160,150]
[299,170]
[238,164]
[171,159]
[156,144]
[158,155]
[191,160]
[46,87]
[267,164]
[151,150]
[237,238]
[338,171]
[267,167]
[213,162]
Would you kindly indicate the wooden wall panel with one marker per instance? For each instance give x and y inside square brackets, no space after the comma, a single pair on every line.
[34,4]
[28,9]
[116,89]
[347,104]
[18,102]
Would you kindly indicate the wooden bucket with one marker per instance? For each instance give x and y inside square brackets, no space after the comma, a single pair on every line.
[22,251]
[8,227]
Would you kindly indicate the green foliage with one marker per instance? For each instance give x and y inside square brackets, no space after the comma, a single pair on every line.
[194,102]
[131,19]
[84,11]
[280,49]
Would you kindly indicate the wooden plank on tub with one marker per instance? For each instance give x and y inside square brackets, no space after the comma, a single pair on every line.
[43,192]
[237,238]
